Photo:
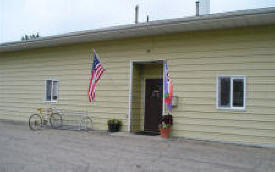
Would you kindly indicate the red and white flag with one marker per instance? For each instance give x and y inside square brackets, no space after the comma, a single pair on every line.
[96,72]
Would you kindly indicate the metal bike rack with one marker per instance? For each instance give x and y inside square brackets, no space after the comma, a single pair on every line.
[75,120]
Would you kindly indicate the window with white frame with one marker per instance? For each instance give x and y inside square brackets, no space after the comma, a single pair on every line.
[51,90]
[231,92]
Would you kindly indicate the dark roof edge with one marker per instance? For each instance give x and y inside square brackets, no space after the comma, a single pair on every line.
[205,22]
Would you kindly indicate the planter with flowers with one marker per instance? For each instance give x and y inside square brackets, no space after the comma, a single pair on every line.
[165,125]
[114,125]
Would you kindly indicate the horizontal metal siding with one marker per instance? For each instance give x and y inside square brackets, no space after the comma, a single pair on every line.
[194,60]
[194,68]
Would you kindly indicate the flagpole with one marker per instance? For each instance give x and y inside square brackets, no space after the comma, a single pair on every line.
[163,88]
[92,51]
[98,58]
[89,57]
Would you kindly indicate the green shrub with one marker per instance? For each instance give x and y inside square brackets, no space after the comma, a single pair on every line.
[114,121]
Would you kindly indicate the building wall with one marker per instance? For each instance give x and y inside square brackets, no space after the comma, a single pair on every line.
[194,61]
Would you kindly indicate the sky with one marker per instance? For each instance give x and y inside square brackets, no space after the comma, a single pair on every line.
[54,17]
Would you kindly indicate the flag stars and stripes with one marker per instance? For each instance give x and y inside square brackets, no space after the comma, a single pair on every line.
[96,72]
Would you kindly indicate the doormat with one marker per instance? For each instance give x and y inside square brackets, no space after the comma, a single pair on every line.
[147,133]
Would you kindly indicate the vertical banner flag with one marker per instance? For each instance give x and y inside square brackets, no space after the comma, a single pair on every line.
[168,88]
[96,72]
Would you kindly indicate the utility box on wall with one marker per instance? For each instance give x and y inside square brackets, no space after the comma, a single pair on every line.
[175,100]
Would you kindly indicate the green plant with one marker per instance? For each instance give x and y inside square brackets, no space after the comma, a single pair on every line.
[114,121]
[114,125]
[166,121]
[164,125]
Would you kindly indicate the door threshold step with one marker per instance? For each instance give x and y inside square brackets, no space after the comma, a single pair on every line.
[147,133]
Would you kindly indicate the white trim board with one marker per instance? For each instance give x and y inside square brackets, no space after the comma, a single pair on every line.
[130,96]
[132,62]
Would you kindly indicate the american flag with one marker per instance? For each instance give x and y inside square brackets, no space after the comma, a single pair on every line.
[96,72]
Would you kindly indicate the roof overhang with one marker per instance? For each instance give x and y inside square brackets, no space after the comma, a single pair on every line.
[256,17]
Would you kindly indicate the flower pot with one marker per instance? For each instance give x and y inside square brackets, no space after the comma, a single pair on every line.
[113,127]
[165,132]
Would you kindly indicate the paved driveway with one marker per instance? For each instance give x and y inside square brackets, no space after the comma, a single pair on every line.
[55,150]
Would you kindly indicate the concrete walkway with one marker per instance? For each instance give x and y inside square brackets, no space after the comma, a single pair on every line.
[73,151]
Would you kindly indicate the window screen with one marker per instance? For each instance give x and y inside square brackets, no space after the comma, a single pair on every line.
[238,92]
[55,88]
[225,92]
[48,90]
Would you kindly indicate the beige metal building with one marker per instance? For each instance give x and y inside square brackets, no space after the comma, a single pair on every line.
[222,67]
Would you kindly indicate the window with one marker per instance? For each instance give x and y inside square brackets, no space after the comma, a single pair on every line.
[231,92]
[51,90]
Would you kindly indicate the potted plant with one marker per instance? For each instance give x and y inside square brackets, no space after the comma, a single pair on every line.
[165,125]
[114,125]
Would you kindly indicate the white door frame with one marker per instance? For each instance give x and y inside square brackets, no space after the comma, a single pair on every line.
[131,87]
[130,96]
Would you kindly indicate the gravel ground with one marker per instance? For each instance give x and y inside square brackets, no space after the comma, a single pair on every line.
[78,151]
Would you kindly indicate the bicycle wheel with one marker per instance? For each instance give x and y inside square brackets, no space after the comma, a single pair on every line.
[35,122]
[86,123]
[56,120]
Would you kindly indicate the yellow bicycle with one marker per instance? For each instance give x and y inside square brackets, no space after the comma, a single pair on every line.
[44,116]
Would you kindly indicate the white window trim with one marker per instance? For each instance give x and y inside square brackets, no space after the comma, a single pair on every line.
[232,77]
[51,101]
